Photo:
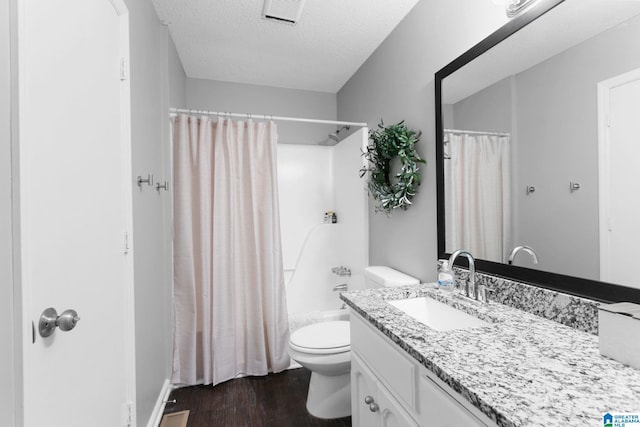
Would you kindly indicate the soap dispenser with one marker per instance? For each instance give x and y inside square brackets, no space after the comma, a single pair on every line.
[445,277]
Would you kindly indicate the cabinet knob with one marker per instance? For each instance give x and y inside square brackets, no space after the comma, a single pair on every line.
[368,400]
[374,407]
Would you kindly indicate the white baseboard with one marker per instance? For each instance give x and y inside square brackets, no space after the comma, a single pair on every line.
[158,409]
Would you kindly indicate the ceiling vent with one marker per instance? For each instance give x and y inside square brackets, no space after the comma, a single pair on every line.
[283,11]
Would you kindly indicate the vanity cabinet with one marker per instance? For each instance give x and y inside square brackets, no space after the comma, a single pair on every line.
[391,389]
[372,405]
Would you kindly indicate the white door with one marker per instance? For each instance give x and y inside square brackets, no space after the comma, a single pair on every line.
[75,211]
[620,202]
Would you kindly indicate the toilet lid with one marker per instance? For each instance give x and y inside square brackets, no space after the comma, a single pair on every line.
[323,337]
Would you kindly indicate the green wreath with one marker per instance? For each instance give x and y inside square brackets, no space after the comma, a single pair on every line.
[389,142]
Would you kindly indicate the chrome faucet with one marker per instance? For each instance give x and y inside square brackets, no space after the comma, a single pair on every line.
[470,285]
[341,287]
[527,249]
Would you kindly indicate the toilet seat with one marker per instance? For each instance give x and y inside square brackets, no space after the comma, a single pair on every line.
[322,338]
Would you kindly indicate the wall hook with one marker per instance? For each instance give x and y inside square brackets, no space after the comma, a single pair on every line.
[530,189]
[164,186]
[148,180]
[574,186]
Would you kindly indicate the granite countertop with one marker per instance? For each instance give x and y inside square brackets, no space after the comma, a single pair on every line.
[522,370]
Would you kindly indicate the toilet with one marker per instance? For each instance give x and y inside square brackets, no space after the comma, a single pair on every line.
[325,349]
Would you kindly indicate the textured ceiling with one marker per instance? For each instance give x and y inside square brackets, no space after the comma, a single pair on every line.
[228,40]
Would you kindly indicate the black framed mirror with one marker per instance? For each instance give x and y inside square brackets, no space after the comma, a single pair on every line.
[533,92]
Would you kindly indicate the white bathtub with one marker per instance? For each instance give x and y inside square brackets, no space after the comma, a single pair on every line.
[299,320]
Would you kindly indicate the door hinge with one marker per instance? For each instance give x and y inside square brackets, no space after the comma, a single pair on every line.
[126,243]
[127,414]
[124,69]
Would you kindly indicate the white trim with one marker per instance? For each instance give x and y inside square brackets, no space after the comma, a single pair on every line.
[603,178]
[125,143]
[22,302]
[604,140]
[158,409]
[174,111]
[120,7]
[16,248]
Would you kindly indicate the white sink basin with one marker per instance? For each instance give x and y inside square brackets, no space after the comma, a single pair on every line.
[437,315]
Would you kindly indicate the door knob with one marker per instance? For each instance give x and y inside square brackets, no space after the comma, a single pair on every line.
[49,320]
[67,320]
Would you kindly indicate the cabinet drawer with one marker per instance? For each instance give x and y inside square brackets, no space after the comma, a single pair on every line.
[397,371]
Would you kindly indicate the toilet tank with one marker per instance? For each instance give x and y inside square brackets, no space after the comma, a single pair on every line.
[386,277]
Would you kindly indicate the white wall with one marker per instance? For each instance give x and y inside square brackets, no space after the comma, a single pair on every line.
[174,95]
[7,401]
[156,81]
[244,98]
[177,79]
[396,83]
[488,110]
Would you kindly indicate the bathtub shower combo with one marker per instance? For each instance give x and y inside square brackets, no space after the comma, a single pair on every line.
[298,320]
[314,180]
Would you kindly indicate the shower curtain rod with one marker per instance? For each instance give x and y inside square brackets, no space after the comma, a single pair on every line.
[175,111]
[475,132]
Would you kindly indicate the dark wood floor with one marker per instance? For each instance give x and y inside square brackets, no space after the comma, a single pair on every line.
[275,400]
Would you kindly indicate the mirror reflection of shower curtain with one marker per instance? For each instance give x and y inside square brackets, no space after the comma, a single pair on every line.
[477,195]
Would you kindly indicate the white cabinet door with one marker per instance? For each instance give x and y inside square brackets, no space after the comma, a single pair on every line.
[391,413]
[438,408]
[372,405]
[75,208]
[363,386]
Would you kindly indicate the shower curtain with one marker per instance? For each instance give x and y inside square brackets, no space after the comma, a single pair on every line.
[478,195]
[229,295]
